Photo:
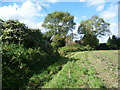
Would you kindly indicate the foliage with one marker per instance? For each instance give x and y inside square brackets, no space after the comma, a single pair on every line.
[58,41]
[78,70]
[91,40]
[58,23]
[39,80]
[27,52]
[114,42]
[73,48]
[103,46]
[15,32]
[19,64]
[93,28]
[76,73]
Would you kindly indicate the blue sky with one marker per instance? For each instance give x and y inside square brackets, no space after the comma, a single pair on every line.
[32,14]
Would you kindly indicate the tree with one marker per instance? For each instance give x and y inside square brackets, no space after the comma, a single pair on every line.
[58,23]
[58,41]
[91,40]
[93,28]
[114,42]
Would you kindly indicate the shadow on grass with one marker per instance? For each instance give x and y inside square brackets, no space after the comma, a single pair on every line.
[46,74]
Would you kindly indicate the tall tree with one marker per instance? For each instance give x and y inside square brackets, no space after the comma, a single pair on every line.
[59,23]
[93,28]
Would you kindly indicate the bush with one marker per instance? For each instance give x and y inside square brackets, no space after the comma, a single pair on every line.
[90,40]
[19,64]
[15,32]
[103,46]
[74,48]
[114,42]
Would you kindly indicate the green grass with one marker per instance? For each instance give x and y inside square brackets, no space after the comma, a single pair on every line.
[86,69]
[76,74]
[112,56]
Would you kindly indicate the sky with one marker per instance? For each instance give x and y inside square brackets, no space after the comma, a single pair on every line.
[33,12]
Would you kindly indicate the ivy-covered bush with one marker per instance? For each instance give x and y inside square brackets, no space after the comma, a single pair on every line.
[19,64]
[15,32]
[25,52]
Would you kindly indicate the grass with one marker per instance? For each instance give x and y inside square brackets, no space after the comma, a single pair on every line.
[86,69]
[76,74]
[106,70]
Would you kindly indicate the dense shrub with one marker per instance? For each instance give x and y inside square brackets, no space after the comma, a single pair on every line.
[114,42]
[74,48]
[19,64]
[103,46]
[15,32]
[90,40]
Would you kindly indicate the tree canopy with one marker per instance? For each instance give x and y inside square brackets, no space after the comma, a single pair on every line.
[59,23]
[95,26]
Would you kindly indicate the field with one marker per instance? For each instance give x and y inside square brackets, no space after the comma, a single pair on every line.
[87,69]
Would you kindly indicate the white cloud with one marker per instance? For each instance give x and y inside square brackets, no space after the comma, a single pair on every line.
[75,18]
[25,13]
[39,26]
[26,10]
[114,28]
[99,5]
[100,8]
[76,28]
[110,13]
[95,2]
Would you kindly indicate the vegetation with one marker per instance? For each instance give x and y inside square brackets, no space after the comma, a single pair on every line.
[25,52]
[93,28]
[32,59]
[80,70]
[73,48]
[114,42]
[59,24]
[76,73]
